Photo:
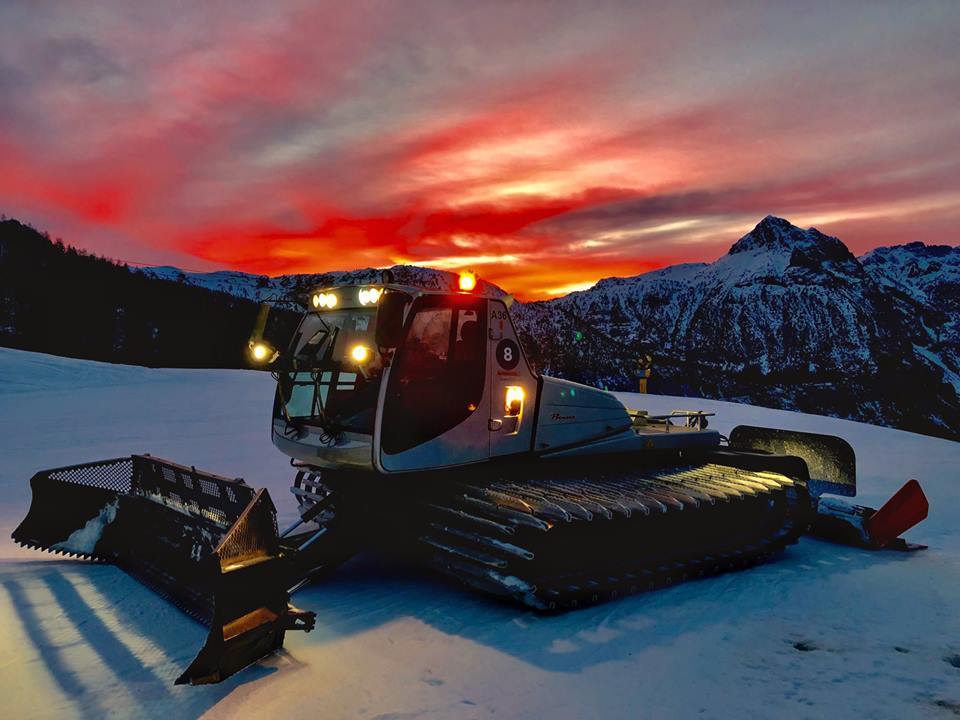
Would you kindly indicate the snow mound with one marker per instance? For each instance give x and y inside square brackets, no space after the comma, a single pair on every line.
[86,538]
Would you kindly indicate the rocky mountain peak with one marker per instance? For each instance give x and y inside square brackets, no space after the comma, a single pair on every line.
[775,234]
[776,246]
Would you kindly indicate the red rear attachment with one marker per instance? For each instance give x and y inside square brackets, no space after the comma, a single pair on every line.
[906,508]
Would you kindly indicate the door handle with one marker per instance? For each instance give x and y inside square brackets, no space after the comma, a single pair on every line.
[494,424]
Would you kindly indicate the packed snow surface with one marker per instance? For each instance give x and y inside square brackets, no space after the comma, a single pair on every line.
[825,631]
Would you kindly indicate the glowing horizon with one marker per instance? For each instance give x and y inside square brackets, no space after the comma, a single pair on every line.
[545,147]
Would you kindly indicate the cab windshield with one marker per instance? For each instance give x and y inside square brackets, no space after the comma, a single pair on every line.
[330,388]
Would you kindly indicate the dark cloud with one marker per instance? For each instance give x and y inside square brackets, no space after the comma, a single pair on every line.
[75,60]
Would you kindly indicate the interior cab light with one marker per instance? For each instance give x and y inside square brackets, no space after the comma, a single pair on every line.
[513,400]
[468,281]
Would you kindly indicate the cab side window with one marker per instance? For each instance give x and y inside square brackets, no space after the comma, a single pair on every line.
[437,380]
[427,346]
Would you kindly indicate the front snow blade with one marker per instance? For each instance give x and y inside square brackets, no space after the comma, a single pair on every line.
[207,543]
[251,611]
[830,460]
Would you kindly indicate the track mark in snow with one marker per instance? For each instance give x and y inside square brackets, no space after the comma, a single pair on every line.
[430,680]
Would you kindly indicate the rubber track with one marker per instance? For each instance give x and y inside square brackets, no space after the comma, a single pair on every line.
[554,543]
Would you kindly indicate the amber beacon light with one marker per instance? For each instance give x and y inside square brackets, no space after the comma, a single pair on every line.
[468,281]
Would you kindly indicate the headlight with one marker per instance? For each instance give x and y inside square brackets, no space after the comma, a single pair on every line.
[360,354]
[262,352]
[369,296]
[324,300]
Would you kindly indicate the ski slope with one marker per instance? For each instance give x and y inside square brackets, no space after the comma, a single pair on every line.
[826,631]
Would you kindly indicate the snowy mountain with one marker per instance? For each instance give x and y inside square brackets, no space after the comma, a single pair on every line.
[928,273]
[297,287]
[787,318]
[782,300]
[925,276]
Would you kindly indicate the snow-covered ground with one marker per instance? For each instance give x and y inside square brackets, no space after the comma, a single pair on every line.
[826,631]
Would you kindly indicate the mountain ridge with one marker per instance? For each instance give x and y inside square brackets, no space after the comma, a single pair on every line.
[788,318]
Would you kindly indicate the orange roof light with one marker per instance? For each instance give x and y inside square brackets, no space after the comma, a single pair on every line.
[468,281]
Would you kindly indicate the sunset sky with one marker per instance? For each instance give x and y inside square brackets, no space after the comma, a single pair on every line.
[543,144]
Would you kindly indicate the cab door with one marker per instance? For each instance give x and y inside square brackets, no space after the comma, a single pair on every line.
[433,413]
[513,386]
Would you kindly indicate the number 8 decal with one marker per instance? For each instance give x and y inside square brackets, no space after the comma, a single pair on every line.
[508,354]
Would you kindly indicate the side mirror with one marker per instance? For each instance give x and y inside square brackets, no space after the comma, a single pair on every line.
[390,311]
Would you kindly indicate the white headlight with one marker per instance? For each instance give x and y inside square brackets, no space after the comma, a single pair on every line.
[369,296]
[324,300]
